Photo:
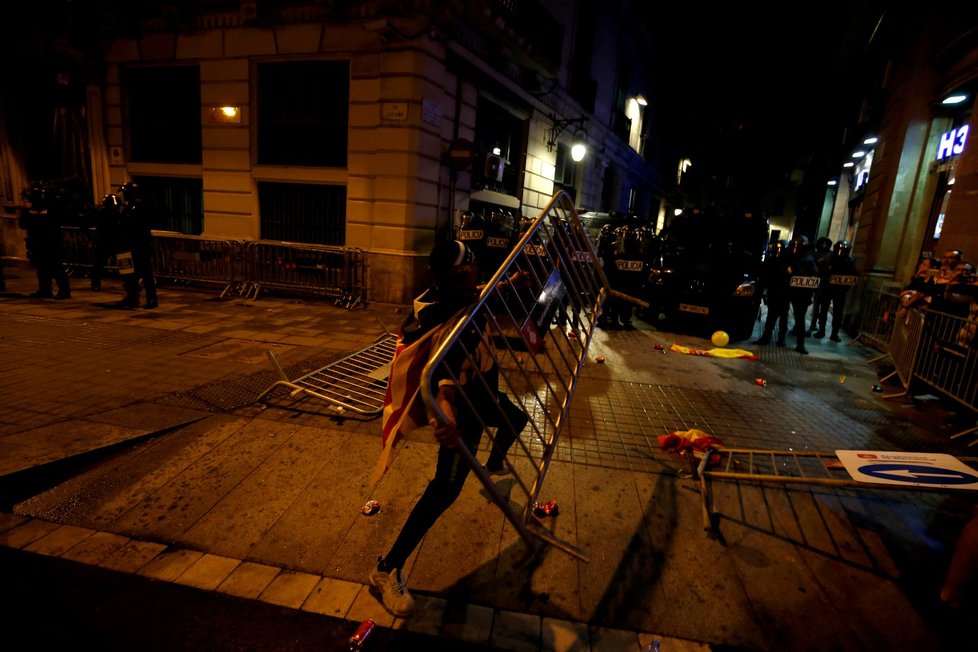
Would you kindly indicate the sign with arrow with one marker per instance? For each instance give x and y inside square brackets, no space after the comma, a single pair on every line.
[932,470]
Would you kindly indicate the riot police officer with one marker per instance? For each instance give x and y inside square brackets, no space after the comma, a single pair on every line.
[45,246]
[627,273]
[823,252]
[842,276]
[106,221]
[803,280]
[499,240]
[136,234]
[472,231]
[774,283]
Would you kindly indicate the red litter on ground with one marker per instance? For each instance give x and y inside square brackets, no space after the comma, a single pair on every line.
[370,508]
[659,347]
[360,636]
[548,508]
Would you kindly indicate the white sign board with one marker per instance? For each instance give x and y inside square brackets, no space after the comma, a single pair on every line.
[933,470]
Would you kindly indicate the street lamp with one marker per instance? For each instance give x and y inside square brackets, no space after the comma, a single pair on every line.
[579,149]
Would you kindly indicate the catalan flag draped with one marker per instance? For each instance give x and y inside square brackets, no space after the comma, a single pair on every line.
[404,409]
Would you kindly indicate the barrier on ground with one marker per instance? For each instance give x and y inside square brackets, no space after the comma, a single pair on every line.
[825,468]
[357,382]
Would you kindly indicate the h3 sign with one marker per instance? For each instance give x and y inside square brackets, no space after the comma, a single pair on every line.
[932,470]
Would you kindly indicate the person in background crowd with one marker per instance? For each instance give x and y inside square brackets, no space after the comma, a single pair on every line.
[467,394]
[774,283]
[834,288]
[136,234]
[45,247]
[803,280]
[823,253]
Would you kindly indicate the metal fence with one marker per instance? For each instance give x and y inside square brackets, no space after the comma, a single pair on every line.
[244,267]
[336,272]
[880,307]
[534,322]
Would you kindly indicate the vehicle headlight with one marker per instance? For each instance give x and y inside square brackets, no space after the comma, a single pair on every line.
[745,289]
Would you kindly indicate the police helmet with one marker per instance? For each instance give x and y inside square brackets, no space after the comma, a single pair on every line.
[110,201]
[130,191]
[798,244]
[823,244]
[842,248]
[446,256]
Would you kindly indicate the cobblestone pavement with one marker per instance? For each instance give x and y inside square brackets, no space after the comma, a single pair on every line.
[132,440]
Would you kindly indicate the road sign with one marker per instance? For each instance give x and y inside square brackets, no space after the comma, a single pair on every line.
[933,470]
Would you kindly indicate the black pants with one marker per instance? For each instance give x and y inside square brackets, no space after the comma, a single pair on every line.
[451,471]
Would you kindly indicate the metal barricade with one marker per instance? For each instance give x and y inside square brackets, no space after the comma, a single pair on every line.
[948,361]
[781,467]
[197,259]
[878,318]
[904,347]
[77,247]
[357,382]
[534,321]
[337,272]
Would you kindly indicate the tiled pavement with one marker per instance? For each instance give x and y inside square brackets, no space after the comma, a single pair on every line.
[274,522]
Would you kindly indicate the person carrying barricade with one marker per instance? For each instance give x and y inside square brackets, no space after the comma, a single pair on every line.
[468,396]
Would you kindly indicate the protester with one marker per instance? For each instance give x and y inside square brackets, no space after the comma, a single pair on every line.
[467,395]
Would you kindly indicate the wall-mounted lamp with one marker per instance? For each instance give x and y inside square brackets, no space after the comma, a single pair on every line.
[956,98]
[224,115]
[579,148]
[640,99]
[872,140]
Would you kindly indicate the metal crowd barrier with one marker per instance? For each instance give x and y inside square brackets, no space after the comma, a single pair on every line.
[198,259]
[948,360]
[336,272]
[535,318]
[357,382]
[79,250]
[784,467]
[879,316]
[904,347]
[241,266]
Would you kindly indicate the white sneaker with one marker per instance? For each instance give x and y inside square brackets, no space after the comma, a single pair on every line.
[393,591]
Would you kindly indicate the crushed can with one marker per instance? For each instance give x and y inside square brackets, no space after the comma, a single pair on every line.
[370,508]
[548,508]
[659,348]
[599,359]
[760,382]
[359,638]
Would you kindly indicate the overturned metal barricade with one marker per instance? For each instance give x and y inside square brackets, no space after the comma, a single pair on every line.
[788,467]
[356,383]
[534,320]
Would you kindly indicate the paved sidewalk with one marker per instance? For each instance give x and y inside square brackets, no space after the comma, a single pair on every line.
[131,439]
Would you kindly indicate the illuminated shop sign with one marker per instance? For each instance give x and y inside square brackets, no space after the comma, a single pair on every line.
[860,173]
[952,142]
